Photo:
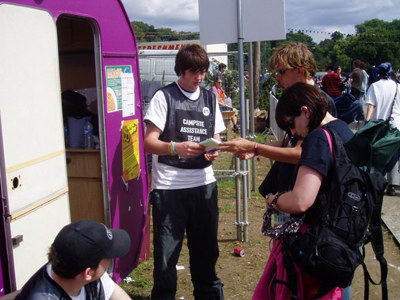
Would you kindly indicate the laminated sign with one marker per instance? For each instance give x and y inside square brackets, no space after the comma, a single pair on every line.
[130,150]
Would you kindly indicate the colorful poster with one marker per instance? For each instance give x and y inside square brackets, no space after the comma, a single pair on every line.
[130,150]
[114,86]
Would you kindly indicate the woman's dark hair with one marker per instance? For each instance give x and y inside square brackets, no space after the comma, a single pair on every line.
[61,269]
[191,57]
[298,95]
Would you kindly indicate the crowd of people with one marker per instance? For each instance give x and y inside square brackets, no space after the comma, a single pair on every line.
[184,196]
[375,92]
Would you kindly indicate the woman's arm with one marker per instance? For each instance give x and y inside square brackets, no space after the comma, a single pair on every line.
[304,193]
[245,149]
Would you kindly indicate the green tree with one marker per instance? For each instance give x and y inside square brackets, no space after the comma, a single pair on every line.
[147,33]
[332,52]
[376,41]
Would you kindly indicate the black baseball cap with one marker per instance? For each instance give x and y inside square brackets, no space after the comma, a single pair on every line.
[85,243]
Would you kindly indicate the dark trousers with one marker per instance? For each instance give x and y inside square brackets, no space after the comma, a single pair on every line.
[196,211]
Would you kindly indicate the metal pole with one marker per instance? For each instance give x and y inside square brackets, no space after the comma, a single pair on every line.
[243,123]
[238,206]
[248,161]
[251,114]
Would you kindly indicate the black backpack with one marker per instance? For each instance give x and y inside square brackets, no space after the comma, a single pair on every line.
[345,216]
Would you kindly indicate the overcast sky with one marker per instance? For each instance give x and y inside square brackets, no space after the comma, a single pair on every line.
[311,15]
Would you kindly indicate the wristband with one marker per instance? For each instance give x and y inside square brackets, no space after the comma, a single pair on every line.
[176,152]
[274,202]
[171,148]
[256,151]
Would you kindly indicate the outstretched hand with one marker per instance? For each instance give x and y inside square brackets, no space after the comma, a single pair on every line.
[241,147]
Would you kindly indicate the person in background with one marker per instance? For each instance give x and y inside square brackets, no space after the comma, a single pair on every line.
[383,100]
[358,84]
[224,102]
[373,74]
[331,83]
[221,69]
[78,260]
[338,70]
[184,198]
[220,72]
[218,91]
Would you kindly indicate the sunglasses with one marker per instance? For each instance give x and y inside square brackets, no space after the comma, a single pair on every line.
[281,72]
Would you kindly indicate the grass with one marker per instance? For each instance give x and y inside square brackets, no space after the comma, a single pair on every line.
[139,283]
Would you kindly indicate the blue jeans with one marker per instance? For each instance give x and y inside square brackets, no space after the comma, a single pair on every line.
[196,211]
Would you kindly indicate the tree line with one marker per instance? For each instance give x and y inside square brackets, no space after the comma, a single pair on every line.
[375,41]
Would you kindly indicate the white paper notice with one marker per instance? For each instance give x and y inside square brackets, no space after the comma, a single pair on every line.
[128,94]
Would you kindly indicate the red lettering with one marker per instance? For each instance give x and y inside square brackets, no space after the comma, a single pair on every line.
[171,47]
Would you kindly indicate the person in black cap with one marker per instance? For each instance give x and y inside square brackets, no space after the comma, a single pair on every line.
[78,260]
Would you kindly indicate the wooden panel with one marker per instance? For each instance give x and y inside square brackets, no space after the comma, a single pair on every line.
[85,185]
[86,199]
[83,163]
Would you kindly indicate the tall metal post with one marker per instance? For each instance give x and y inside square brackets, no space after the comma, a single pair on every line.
[243,117]
[251,114]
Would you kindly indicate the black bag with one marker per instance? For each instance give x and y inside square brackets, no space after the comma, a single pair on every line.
[280,177]
[345,216]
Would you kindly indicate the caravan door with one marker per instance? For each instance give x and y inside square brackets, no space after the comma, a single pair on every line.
[33,169]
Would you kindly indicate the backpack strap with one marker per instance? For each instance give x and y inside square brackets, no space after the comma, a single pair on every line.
[328,136]
[376,238]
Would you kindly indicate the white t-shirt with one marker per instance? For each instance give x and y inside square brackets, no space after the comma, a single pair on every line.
[106,281]
[169,177]
[381,95]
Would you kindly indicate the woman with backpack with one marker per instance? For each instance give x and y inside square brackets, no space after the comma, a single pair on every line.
[300,111]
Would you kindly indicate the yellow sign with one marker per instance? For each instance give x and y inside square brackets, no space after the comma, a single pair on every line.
[130,150]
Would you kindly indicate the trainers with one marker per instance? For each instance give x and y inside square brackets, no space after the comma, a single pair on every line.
[391,190]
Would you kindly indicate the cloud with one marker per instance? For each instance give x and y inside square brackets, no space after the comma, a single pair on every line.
[180,15]
[340,15]
[316,15]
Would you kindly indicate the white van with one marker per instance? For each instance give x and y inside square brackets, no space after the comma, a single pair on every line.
[157,65]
